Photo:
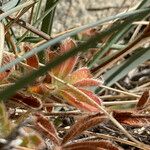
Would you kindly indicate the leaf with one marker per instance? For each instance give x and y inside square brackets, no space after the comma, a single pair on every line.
[47,128]
[132,119]
[92,96]
[7,58]
[83,96]
[32,61]
[88,33]
[79,74]
[5,94]
[87,83]
[30,101]
[67,66]
[72,100]
[92,145]
[42,88]
[143,100]
[83,124]
[82,28]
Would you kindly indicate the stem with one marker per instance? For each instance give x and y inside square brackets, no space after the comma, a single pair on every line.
[101,108]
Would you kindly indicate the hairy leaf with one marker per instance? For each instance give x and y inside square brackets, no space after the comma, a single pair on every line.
[67,66]
[7,58]
[132,119]
[30,101]
[71,99]
[83,124]
[92,145]
[92,96]
[79,74]
[47,128]
[143,100]
[32,61]
[87,83]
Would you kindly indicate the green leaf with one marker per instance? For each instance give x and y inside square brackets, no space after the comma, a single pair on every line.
[47,23]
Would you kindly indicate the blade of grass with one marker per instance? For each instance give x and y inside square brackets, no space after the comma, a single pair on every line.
[2,37]
[126,26]
[37,12]
[38,21]
[118,72]
[42,70]
[114,38]
[77,30]
[11,11]
[9,5]
[47,24]
[48,20]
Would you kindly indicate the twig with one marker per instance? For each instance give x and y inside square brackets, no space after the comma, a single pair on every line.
[112,97]
[106,8]
[70,113]
[116,90]
[120,102]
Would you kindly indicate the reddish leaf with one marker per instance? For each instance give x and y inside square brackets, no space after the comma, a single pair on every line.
[88,33]
[7,58]
[82,125]
[67,66]
[87,83]
[51,55]
[76,103]
[132,119]
[82,97]
[67,45]
[143,100]
[47,128]
[30,101]
[80,74]
[32,61]
[92,96]
[93,145]
[40,88]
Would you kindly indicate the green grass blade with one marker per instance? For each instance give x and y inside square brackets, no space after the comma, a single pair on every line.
[126,26]
[48,20]
[118,72]
[2,37]
[38,21]
[11,11]
[74,32]
[31,77]
[9,5]
[47,24]
[122,28]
